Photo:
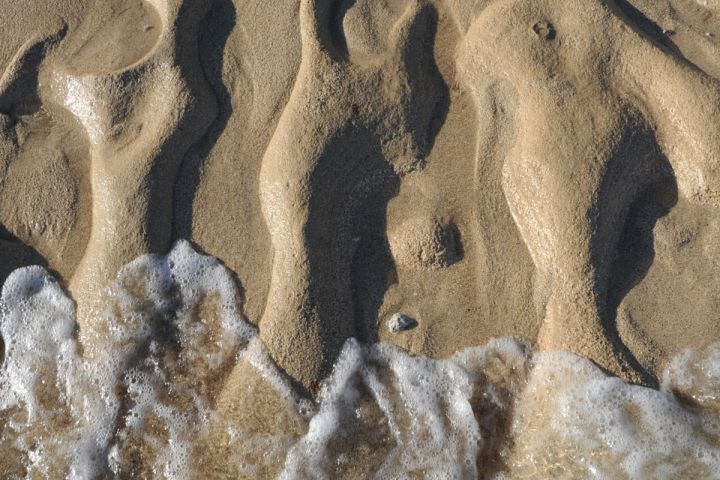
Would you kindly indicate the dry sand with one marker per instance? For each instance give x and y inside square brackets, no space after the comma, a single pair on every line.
[546,169]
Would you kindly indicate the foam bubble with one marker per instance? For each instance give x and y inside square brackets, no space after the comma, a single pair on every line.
[574,420]
[170,324]
[137,399]
[407,415]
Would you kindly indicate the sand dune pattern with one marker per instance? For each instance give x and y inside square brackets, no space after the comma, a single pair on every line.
[599,112]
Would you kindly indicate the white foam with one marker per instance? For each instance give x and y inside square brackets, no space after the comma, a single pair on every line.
[138,401]
[595,426]
[424,403]
[153,344]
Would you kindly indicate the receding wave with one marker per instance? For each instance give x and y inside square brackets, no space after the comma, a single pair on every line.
[137,398]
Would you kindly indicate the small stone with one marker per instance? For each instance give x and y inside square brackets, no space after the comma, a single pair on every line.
[401,322]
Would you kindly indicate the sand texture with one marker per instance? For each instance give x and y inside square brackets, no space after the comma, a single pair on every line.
[547,170]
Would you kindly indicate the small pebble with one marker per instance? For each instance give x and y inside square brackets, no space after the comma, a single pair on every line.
[401,322]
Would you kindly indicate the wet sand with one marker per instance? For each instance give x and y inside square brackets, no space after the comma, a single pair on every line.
[543,170]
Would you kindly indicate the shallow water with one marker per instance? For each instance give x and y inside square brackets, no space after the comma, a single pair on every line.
[137,398]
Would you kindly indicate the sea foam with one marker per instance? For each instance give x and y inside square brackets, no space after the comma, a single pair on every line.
[137,398]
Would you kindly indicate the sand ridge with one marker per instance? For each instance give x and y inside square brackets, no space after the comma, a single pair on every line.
[334,162]
[139,120]
[543,169]
[598,127]
[349,130]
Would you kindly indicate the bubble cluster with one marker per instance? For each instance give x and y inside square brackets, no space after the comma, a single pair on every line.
[573,421]
[138,400]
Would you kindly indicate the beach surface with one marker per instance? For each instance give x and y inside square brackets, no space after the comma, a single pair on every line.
[360,238]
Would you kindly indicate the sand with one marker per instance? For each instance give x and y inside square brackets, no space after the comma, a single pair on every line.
[546,170]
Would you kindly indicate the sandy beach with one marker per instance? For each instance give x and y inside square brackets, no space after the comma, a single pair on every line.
[280,209]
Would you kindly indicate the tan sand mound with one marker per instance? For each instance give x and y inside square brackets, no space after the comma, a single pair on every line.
[544,169]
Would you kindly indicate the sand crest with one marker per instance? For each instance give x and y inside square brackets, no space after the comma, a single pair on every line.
[546,170]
